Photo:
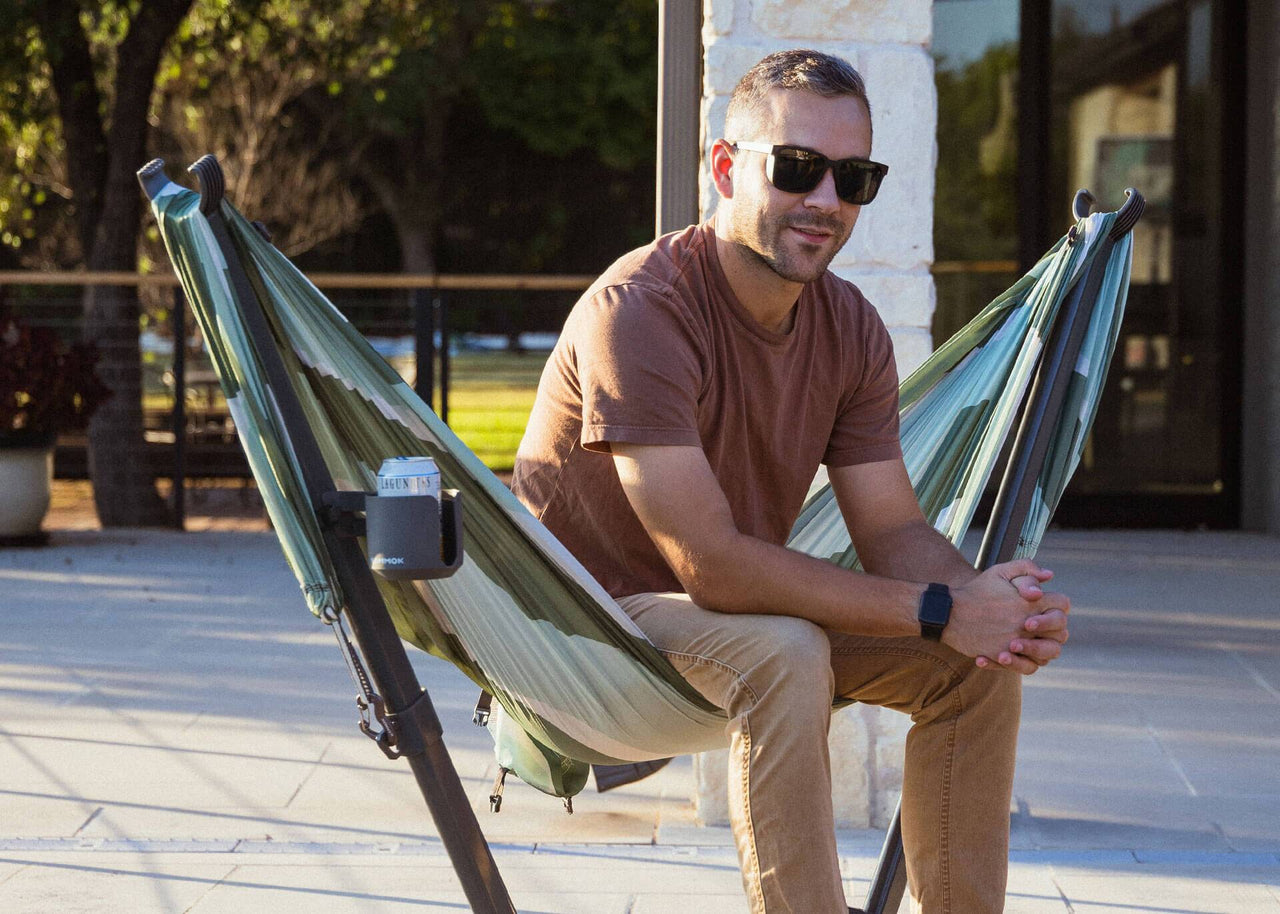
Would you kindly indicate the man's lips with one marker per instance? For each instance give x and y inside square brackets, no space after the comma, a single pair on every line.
[812,233]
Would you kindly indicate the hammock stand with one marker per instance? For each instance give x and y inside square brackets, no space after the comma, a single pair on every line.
[400,716]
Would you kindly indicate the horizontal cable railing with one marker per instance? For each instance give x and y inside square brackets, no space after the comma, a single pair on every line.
[447,281]
[418,321]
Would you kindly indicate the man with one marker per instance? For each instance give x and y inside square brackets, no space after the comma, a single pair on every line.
[696,388]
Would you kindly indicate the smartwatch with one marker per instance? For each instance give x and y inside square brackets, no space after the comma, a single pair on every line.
[935,611]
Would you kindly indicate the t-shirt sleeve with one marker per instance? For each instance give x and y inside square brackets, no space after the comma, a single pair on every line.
[639,369]
[866,428]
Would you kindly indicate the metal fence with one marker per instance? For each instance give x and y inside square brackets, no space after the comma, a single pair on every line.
[417,322]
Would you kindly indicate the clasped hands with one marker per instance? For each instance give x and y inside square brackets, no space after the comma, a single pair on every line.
[1007,620]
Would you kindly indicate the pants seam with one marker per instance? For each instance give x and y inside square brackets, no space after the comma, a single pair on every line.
[712,662]
[944,824]
[757,881]
[900,652]
[948,765]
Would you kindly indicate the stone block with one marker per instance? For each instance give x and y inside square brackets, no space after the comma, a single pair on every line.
[711,787]
[890,726]
[726,60]
[717,18]
[889,758]
[899,224]
[903,299]
[911,347]
[867,21]
[850,746]
[883,807]
[713,109]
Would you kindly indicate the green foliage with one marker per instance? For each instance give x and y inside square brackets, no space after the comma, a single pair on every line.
[33,192]
[559,95]
[573,74]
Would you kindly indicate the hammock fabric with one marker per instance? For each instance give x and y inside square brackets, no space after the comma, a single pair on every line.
[576,681]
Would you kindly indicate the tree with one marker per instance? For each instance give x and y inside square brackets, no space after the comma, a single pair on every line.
[102,110]
[560,76]
[398,117]
[321,110]
[234,85]
[82,77]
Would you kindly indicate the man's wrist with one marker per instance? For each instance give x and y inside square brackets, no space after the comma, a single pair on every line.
[934,611]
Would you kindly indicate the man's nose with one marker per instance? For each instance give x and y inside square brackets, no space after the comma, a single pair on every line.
[823,197]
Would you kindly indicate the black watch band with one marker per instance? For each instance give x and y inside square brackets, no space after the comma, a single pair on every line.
[935,611]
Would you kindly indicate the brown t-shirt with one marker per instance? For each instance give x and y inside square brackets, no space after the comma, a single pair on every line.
[660,351]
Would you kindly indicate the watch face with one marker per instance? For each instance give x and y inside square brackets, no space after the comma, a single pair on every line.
[935,611]
[935,608]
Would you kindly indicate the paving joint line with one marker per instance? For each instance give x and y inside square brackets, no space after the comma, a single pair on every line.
[85,824]
[1063,895]
[245,846]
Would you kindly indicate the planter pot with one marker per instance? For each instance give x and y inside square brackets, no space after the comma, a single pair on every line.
[26,477]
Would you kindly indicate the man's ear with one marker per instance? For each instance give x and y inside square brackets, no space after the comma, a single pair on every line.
[722,168]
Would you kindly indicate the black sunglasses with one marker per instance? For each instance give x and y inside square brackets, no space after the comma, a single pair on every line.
[797,171]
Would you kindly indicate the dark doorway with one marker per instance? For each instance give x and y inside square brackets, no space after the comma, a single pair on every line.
[1040,97]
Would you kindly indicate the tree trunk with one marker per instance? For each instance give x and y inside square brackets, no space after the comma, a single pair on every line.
[417,243]
[123,483]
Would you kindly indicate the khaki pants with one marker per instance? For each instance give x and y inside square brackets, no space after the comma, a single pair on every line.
[776,676]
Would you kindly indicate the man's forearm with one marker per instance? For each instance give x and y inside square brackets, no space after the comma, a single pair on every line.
[916,552]
[753,576]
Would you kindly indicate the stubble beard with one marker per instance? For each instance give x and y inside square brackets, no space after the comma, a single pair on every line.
[765,237]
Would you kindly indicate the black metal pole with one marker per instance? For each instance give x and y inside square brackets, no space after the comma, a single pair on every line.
[442,323]
[424,345]
[1017,488]
[1044,403]
[178,497]
[1034,107]
[890,881]
[420,733]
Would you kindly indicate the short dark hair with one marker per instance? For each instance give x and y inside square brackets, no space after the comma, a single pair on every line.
[800,68]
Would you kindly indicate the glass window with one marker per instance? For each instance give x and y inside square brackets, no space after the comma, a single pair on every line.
[1129,91]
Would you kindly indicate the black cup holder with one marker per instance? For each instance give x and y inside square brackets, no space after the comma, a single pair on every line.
[409,537]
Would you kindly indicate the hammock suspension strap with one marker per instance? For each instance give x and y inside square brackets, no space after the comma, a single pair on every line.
[495,795]
[375,722]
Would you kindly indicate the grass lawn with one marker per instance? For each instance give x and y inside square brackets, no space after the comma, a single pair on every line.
[490,396]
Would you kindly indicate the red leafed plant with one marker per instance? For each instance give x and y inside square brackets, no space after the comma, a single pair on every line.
[46,386]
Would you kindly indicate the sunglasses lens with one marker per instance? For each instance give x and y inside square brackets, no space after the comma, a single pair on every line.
[799,171]
[796,174]
[857,182]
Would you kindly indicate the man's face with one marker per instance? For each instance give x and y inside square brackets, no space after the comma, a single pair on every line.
[797,235]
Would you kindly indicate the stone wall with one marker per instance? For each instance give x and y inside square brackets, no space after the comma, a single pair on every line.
[888,257]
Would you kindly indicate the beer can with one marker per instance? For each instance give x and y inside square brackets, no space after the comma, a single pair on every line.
[409,476]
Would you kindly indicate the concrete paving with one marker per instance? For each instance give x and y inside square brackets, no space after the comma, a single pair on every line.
[177,735]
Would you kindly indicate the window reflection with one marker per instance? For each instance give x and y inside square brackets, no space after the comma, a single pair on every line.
[1125,77]
[975,49]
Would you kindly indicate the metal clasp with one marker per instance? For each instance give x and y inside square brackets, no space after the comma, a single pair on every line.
[373,710]
[386,735]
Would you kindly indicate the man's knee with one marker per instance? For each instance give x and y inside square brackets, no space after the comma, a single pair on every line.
[969,689]
[996,691]
[797,658]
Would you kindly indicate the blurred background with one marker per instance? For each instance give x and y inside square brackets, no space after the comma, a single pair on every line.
[453,174]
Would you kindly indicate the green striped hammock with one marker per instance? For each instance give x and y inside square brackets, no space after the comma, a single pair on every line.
[575,680]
